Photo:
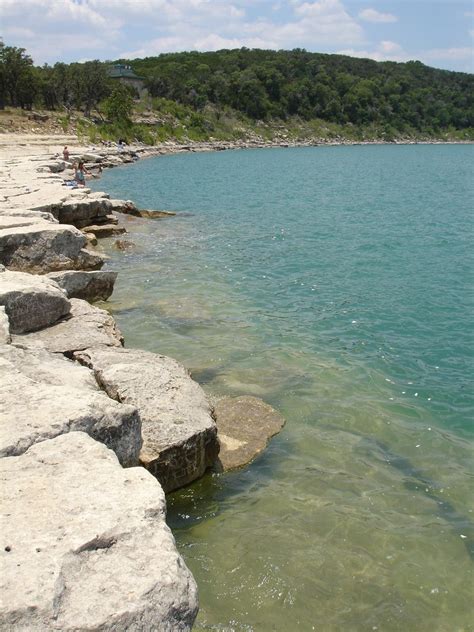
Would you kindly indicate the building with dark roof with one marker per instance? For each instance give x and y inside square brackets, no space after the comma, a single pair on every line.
[125,74]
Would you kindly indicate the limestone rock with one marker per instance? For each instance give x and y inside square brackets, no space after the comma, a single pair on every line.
[86,326]
[87,260]
[179,433]
[91,157]
[155,214]
[124,244]
[106,230]
[31,302]
[5,337]
[44,247]
[91,239]
[58,396]
[245,425]
[85,546]
[15,220]
[85,208]
[124,206]
[89,286]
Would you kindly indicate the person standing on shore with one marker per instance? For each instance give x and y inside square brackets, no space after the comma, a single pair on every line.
[66,154]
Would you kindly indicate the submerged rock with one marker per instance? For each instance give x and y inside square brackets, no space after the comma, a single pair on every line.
[245,425]
[86,326]
[89,286]
[44,395]
[31,302]
[124,244]
[179,433]
[85,546]
[149,214]
[106,230]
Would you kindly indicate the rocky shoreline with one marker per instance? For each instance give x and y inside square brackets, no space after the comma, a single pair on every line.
[84,541]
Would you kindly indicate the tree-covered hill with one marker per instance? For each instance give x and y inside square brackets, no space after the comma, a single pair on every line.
[268,84]
[196,93]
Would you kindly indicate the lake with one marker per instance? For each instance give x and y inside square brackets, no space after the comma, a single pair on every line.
[335,283]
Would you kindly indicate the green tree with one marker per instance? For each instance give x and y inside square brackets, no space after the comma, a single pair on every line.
[118,107]
[18,85]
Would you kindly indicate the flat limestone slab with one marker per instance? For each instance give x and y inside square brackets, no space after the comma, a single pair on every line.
[43,395]
[179,433]
[245,425]
[31,301]
[96,285]
[84,545]
[85,326]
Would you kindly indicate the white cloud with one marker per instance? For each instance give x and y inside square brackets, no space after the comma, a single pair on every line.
[312,25]
[458,54]
[384,51]
[372,15]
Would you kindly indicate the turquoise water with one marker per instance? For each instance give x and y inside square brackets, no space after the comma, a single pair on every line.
[336,284]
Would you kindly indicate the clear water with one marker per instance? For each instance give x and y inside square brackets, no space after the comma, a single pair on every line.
[336,284]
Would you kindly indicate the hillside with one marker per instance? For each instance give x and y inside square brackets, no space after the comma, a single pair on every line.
[232,94]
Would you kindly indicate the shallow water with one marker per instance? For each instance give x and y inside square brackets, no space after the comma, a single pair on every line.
[336,284]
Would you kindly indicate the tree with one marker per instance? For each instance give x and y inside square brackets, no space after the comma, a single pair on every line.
[118,107]
[18,86]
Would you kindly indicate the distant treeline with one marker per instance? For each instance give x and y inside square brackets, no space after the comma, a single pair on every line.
[262,85]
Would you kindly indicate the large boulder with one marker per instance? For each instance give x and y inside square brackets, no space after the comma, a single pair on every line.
[87,208]
[85,546]
[89,286]
[31,302]
[45,247]
[44,395]
[86,326]
[245,425]
[179,433]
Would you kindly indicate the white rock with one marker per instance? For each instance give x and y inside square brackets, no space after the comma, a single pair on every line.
[179,433]
[5,337]
[43,395]
[86,326]
[84,545]
[31,301]
[89,286]
[44,247]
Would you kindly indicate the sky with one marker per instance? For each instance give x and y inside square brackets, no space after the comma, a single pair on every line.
[439,33]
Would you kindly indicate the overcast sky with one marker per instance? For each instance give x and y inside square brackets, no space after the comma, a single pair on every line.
[437,32]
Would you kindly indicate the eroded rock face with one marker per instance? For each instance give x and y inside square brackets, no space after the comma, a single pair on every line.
[31,302]
[85,546]
[179,433]
[43,395]
[86,326]
[43,247]
[88,208]
[245,425]
[89,286]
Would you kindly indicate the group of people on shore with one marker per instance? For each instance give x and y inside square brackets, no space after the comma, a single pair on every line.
[80,171]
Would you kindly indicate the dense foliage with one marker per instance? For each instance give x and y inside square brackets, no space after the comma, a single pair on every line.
[259,85]
[277,84]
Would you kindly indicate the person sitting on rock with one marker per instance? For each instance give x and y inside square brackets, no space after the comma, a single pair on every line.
[80,174]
